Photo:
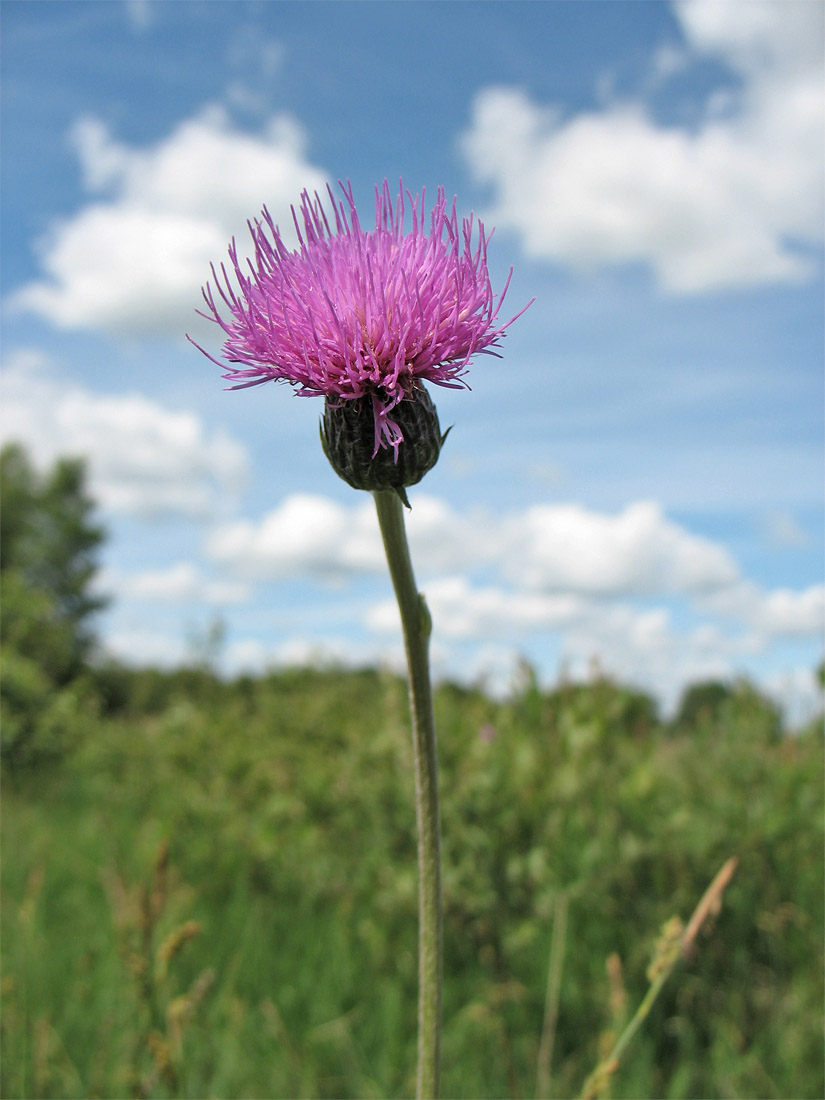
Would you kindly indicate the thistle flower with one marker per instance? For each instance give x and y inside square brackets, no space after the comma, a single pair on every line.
[364,318]
[358,315]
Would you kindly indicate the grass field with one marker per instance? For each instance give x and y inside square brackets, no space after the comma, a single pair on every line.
[211,892]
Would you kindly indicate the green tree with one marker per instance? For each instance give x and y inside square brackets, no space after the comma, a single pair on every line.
[713,705]
[49,543]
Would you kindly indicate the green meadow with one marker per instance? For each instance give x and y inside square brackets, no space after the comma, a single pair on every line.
[209,886]
[211,891]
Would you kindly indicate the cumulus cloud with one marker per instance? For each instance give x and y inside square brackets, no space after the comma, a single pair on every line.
[460,610]
[652,603]
[250,655]
[146,647]
[144,460]
[310,535]
[636,644]
[568,547]
[181,583]
[782,613]
[560,571]
[315,536]
[799,693]
[725,203]
[547,548]
[127,261]
[644,647]
[793,614]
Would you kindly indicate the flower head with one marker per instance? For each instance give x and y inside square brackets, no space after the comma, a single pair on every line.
[359,315]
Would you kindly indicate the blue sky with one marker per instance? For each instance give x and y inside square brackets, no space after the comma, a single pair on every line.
[637,482]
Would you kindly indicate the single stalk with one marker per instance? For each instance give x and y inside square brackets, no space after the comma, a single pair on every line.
[551,1003]
[416,626]
[676,944]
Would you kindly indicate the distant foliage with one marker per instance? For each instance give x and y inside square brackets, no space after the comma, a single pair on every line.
[48,559]
[704,706]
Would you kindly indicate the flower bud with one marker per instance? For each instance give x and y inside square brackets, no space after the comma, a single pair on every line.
[348,439]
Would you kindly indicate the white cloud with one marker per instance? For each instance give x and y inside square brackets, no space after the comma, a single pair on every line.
[252,656]
[460,610]
[568,547]
[146,647]
[782,613]
[128,263]
[758,39]
[444,539]
[143,459]
[497,669]
[632,594]
[799,693]
[309,535]
[643,647]
[140,14]
[179,583]
[719,205]
[255,54]
[782,529]
[635,644]
[667,61]
[258,60]
[549,548]
[495,666]
[785,613]
[630,635]
[559,575]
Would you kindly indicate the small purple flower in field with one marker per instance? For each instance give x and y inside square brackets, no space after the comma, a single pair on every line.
[487,734]
[362,318]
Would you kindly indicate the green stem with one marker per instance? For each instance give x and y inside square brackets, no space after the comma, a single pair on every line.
[606,1068]
[675,943]
[551,1003]
[416,626]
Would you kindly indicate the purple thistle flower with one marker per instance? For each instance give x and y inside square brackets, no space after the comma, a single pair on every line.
[354,313]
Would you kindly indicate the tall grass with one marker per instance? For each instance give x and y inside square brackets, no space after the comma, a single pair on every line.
[213,893]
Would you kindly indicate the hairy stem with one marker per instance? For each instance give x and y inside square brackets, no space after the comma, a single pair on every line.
[416,625]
